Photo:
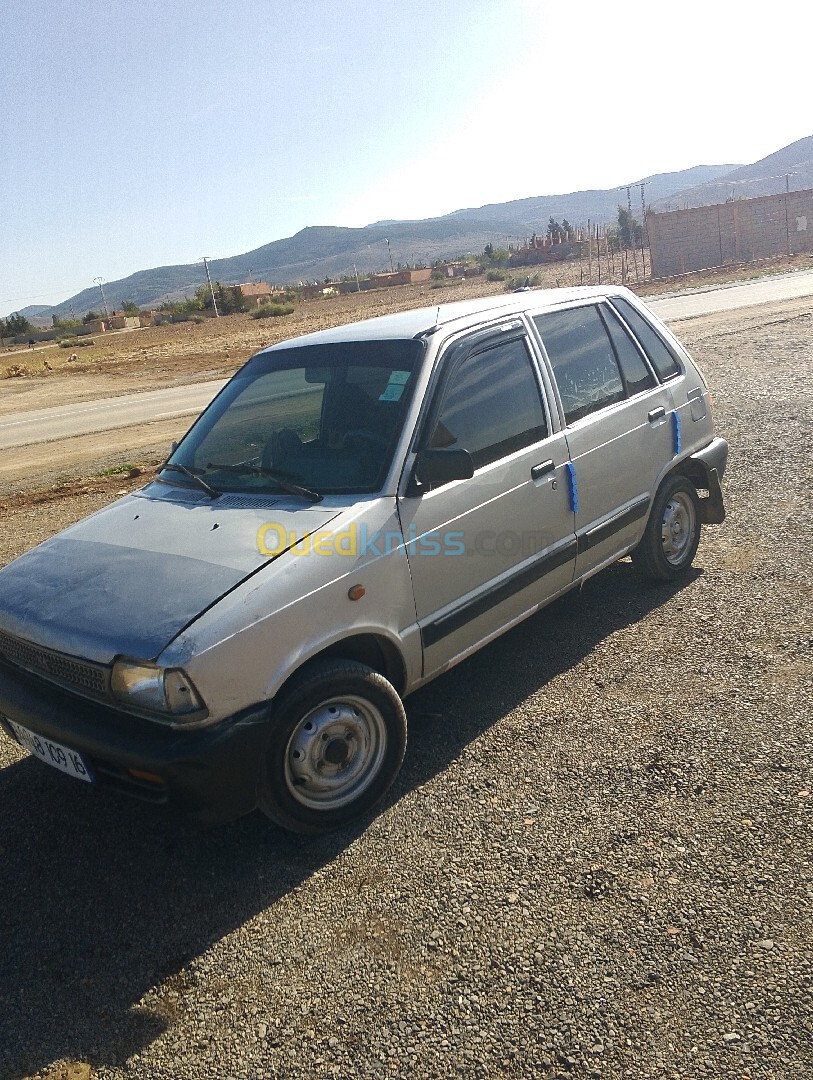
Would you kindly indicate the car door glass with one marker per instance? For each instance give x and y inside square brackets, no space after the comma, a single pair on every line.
[636,374]
[583,360]
[660,356]
[492,405]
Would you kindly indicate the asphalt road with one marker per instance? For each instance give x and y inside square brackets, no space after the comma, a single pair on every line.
[85,418]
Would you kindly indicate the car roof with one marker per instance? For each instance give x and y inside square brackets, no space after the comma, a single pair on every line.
[419,321]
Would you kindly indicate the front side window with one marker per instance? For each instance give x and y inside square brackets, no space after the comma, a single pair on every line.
[583,360]
[654,346]
[323,417]
[491,406]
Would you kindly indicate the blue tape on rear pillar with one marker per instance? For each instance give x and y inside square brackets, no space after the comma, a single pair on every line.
[571,486]
[676,430]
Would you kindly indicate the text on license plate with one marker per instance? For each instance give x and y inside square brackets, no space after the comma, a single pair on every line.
[53,753]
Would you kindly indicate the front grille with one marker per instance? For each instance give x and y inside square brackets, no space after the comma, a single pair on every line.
[66,670]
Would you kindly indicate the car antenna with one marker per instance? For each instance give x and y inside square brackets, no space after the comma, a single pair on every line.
[431,329]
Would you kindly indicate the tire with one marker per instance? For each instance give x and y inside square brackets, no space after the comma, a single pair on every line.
[338,737]
[672,534]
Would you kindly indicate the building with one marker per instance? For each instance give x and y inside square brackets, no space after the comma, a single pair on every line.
[254,293]
[94,326]
[400,277]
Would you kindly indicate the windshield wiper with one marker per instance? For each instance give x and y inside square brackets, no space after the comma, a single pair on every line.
[213,493]
[287,486]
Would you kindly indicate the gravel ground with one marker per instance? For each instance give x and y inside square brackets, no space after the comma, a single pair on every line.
[596,862]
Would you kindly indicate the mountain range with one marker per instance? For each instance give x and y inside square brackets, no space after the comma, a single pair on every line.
[327,251]
[791,166]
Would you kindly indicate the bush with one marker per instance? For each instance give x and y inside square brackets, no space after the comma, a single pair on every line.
[495,275]
[127,468]
[76,343]
[526,282]
[269,311]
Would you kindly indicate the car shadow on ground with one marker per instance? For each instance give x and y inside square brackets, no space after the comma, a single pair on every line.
[103,898]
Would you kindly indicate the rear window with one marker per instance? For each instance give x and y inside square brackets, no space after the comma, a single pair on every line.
[660,355]
[583,360]
[637,375]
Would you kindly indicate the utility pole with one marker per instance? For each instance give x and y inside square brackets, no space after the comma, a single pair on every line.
[98,281]
[644,230]
[392,268]
[211,287]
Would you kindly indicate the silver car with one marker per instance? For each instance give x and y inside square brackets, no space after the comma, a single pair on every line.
[357,510]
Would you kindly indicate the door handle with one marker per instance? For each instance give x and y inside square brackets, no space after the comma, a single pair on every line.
[543,469]
[656,414]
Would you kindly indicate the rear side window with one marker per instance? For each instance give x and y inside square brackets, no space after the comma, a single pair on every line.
[637,375]
[654,346]
[583,360]
[491,406]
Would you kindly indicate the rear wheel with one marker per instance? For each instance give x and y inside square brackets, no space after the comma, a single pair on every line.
[337,743]
[669,545]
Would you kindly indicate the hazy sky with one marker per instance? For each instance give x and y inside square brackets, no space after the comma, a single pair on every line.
[139,134]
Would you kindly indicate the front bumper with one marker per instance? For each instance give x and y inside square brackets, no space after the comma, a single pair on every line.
[212,774]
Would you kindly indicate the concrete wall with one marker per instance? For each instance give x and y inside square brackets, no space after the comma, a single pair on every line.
[739,231]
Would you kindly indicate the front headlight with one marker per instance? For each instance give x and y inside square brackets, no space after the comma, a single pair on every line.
[167,692]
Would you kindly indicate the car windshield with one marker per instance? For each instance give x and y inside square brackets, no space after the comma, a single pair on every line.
[311,420]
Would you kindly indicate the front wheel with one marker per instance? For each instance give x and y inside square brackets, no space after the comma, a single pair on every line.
[672,534]
[337,742]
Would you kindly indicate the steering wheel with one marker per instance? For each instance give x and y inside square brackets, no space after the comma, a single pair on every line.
[363,441]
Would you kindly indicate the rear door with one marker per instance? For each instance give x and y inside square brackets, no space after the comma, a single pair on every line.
[486,551]
[618,423]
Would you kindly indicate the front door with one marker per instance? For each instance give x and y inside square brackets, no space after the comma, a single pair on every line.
[486,551]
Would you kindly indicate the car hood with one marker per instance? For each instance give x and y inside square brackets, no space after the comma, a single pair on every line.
[128,579]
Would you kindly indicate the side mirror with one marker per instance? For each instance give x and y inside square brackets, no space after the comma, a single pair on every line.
[442,466]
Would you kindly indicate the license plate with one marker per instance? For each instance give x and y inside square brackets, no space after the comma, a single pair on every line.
[53,753]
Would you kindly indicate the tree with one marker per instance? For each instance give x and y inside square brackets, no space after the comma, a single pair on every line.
[91,316]
[15,324]
[496,256]
[630,231]
[129,308]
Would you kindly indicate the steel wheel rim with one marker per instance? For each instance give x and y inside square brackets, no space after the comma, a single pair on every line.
[335,753]
[677,528]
